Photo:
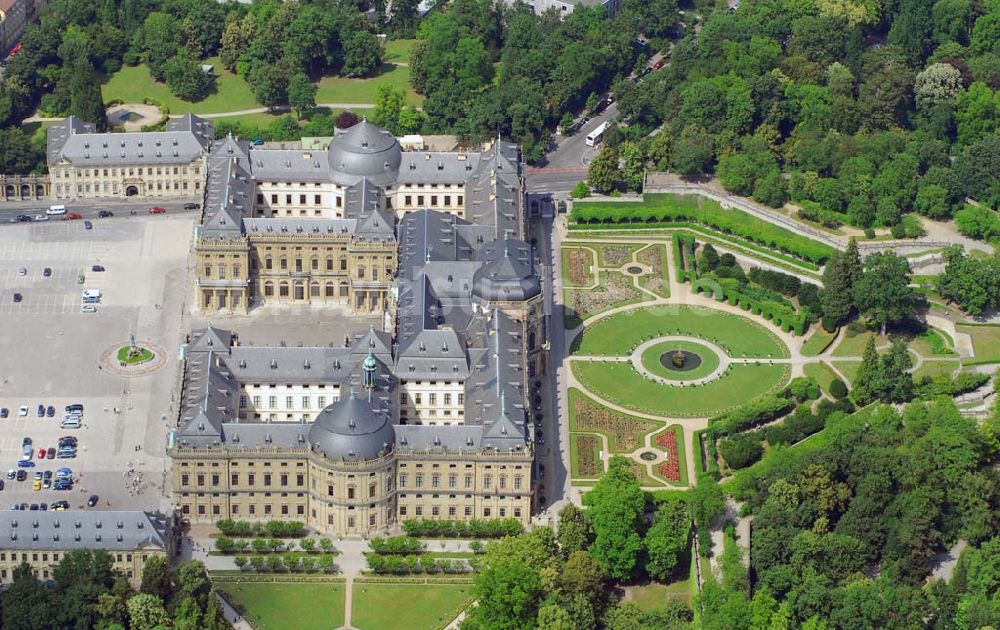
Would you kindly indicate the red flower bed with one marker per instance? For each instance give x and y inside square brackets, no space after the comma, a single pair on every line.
[670,469]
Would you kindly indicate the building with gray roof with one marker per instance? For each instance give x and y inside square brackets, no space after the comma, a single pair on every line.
[42,539]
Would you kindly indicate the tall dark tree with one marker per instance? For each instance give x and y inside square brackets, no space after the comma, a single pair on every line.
[883,293]
[616,505]
[86,101]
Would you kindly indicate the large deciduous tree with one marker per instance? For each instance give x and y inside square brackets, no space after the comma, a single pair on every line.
[616,505]
[883,293]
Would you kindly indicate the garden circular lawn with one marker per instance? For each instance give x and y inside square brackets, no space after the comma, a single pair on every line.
[658,358]
[142,356]
[619,383]
[738,336]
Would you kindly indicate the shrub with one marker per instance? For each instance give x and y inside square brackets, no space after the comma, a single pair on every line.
[285,529]
[838,389]
[741,450]
[396,545]
[758,412]
[495,528]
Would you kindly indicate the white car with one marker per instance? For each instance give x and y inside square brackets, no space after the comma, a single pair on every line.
[22,271]
[22,410]
[88,308]
[41,217]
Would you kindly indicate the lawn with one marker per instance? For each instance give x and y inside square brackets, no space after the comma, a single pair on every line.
[934,368]
[822,373]
[345,90]
[132,84]
[817,342]
[142,355]
[669,207]
[654,595]
[406,606]
[652,358]
[985,341]
[398,50]
[621,384]
[278,605]
[853,345]
[848,368]
[619,334]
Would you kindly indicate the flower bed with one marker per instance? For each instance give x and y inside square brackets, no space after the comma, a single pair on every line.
[670,469]
[624,433]
[587,464]
[579,267]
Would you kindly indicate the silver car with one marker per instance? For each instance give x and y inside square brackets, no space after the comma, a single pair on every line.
[41,217]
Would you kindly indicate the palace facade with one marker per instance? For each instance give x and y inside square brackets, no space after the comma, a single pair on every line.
[429,420]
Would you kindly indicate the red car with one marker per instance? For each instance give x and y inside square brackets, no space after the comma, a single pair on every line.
[157,210]
[659,64]
[41,453]
[72,216]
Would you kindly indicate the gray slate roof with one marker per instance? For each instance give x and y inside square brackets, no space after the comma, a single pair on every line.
[77,143]
[70,530]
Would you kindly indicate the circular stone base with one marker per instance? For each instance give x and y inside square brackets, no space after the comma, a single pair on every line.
[635,270]
[648,456]
[700,360]
[680,360]
[109,361]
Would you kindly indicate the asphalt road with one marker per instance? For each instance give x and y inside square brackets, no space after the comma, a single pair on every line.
[88,208]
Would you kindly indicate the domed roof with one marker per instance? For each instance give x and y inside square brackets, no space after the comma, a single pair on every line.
[364,150]
[352,430]
[506,275]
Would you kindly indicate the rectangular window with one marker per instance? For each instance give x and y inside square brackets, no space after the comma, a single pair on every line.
[267,479]
[451,511]
[284,479]
[435,511]
[435,480]
[201,480]
[251,479]
[302,200]
[305,402]
[517,482]
[458,202]
[419,511]
[318,199]
[452,481]
[419,480]
[486,512]
[288,402]
[407,201]
[234,479]
[468,481]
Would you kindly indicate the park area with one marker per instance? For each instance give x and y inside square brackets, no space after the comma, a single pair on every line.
[277,605]
[407,606]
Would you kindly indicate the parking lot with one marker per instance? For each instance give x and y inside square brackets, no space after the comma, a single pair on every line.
[50,352]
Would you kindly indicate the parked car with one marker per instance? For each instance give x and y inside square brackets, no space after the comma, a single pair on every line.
[97,268]
[88,225]
[92,501]
[1,484]
[41,453]
[659,64]
[41,411]
[36,485]
[34,507]
[40,217]
[23,411]
[50,412]
[18,297]
[59,506]
[103,214]
[50,453]
[72,408]
[25,463]
[65,471]
[191,206]
[11,473]
[4,412]
[43,506]
[88,308]
[47,272]
[21,475]
[25,441]
[22,271]
[68,438]
[72,216]
[157,210]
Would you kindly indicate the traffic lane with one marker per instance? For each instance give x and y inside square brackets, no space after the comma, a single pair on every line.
[570,150]
[91,212]
[558,182]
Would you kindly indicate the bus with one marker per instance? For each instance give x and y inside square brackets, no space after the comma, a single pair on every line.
[595,136]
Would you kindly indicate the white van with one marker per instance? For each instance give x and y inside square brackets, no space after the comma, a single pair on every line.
[56,210]
[92,293]
[72,422]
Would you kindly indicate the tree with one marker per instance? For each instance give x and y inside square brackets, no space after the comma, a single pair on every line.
[580,190]
[185,78]
[667,540]
[883,293]
[362,55]
[192,581]
[236,36]
[301,93]
[971,283]
[937,84]
[603,174]
[410,120]
[146,612]
[582,575]
[188,615]
[837,296]
[161,36]
[346,119]
[895,380]
[978,170]
[555,617]
[771,189]
[508,593]
[692,152]
[270,85]
[86,102]
[633,165]
[865,382]
[736,174]
[156,578]
[616,504]
[388,106]
[573,534]
[932,201]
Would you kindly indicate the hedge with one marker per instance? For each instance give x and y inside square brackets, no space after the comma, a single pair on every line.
[741,450]
[396,545]
[670,208]
[495,528]
[757,412]
[782,316]
[402,564]
[945,386]
[277,529]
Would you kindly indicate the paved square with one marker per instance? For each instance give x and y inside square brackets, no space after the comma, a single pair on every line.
[51,350]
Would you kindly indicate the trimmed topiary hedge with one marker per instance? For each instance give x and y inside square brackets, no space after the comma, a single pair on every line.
[758,412]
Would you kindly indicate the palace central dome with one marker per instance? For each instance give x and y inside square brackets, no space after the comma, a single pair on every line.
[365,151]
[352,430]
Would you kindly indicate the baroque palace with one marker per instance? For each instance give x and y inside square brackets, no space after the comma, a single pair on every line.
[430,420]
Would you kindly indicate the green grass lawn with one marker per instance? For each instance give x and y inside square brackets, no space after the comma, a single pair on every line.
[822,373]
[345,90]
[398,50]
[654,595]
[141,356]
[652,359]
[407,606]
[934,368]
[230,92]
[622,385]
[854,345]
[279,605]
[619,334]
[817,342]
[848,368]
[985,341]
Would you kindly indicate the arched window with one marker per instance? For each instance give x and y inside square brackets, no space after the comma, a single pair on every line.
[314,289]
[283,289]
[268,289]
[330,290]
